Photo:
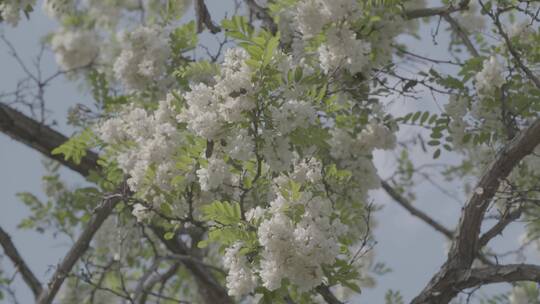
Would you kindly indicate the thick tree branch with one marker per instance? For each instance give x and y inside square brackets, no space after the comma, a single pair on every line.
[79,248]
[497,274]
[513,51]
[41,138]
[210,289]
[465,279]
[327,295]
[467,243]
[436,11]
[416,212]
[204,18]
[44,139]
[159,278]
[262,14]
[27,275]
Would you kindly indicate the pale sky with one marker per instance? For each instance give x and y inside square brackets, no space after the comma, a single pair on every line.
[410,248]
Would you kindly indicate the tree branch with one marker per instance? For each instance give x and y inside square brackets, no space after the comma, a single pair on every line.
[327,294]
[496,274]
[42,138]
[79,248]
[435,11]
[21,128]
[159,278]
[467,243]
[416,212]
[497,229]
[204,18]
[262,14]
[513,51]
[27,275]
[210,289]
[461,33]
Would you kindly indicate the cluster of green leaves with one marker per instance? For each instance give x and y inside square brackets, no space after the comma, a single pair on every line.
[261,45]
[229,227]
[181,40]
[102,93]
[64,209]
[436,123]
[393,297]
[77,146]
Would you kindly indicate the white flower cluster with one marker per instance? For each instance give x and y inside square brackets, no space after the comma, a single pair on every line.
[143,60]
[240,279]
[457,108]
[490,77]
[298,250]
[140,212]
[214,174]
[342,49]
[211,108]
[75,48]
[56,9]
[291,250]
[289,116]
[148,140]
[353,153]
[519,296]
[10,10]
[471,19]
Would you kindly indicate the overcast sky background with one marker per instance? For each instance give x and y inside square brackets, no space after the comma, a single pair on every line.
[411,249]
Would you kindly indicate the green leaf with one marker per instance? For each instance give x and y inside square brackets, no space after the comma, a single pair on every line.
[224,213]
[270,49]
[76,147]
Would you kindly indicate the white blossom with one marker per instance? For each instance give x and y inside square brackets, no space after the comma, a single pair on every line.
[338,9]
[297,251]
[240,278]
[240,145]
[143,60]
[75,48]
[518,296]
[293,114]
[310,18]
[214,174]
[343,50]
[58,8]
[140,212]
[11,10]
[210,108]
[490,77]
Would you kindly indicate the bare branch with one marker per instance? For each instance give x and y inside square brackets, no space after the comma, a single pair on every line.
[436,11]
[79,248]
[210,289]
[262,14]
[327,294]
[204,18]
[160,278]
[512,50]
[416,212]
[27,275]
[496,274]
[497,229]
[464,250]
[44,139]
[41,138]
[462,34]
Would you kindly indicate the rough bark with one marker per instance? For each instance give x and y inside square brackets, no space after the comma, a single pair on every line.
[442,288]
